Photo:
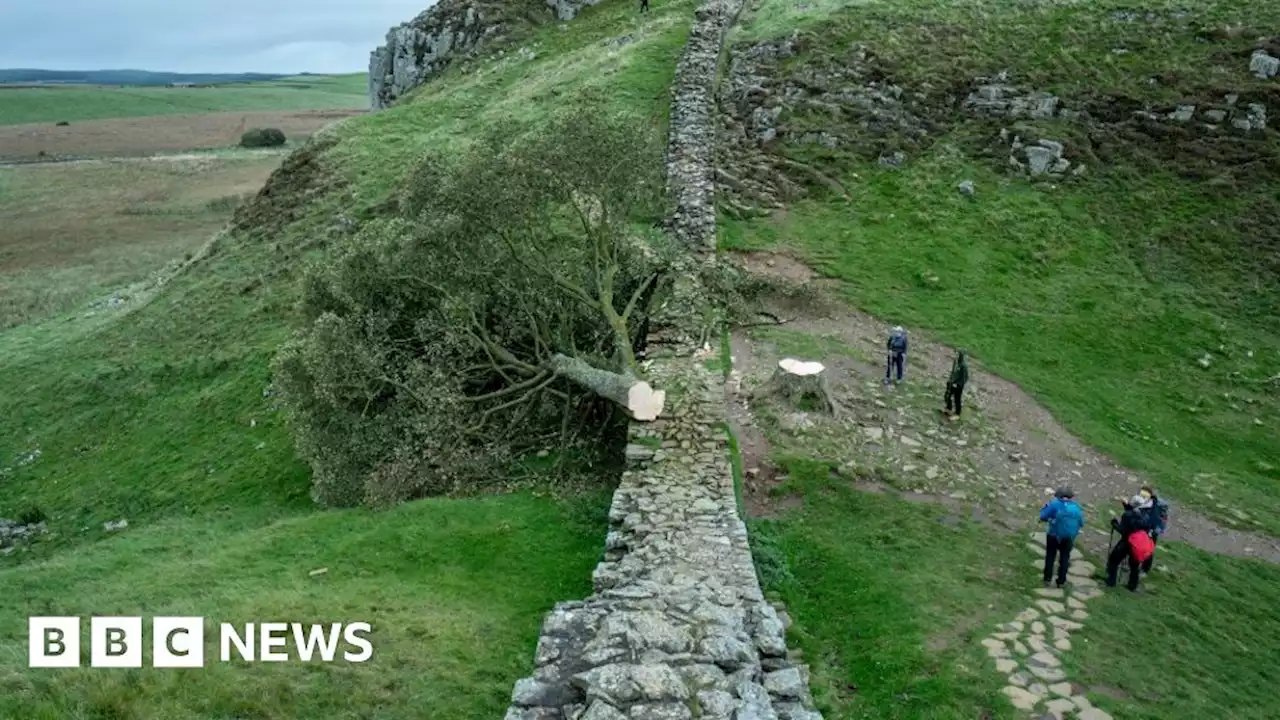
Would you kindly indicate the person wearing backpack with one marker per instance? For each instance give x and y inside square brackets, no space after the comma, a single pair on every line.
[897,346]
[1132,522]
[1065,519]
[1157,519]
[956,382]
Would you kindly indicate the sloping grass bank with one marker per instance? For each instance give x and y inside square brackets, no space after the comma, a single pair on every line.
[161,412]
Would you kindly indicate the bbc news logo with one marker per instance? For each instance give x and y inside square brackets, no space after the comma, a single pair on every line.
[178,642]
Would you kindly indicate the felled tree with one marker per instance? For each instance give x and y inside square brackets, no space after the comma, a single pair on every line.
[503,306]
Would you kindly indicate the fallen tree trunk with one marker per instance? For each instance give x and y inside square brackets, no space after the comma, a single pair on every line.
[797,381]
[635,396]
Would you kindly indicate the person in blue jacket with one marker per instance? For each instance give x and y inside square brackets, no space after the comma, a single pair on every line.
[897,347]
[1065,519]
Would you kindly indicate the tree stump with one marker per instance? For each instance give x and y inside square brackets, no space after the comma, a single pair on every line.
[799,382]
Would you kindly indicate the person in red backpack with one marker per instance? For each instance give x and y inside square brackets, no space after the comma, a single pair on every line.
[1134,520]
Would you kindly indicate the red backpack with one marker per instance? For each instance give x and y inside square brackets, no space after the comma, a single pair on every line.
[1141,546]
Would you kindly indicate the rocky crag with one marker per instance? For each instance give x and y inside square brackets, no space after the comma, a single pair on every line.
[677,627]
[791,118]
[447,32]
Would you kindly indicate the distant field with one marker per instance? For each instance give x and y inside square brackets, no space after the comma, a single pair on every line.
[72,231]
[72,103]
[131,136]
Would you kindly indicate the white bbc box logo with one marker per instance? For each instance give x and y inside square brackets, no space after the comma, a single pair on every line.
[178,642]
[116,642]
[54,642]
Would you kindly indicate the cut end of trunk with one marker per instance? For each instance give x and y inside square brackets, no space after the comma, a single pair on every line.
[644,403]
[791,366]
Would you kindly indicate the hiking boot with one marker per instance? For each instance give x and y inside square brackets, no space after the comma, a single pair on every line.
[1046,583]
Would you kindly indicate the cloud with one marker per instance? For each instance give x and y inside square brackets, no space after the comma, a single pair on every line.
[322,36]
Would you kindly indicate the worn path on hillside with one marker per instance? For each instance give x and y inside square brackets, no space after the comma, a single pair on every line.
[1007,450]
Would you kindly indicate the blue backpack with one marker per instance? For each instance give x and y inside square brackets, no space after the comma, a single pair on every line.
[1067,520]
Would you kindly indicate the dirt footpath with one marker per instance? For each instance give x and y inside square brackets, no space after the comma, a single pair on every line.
[1001,462]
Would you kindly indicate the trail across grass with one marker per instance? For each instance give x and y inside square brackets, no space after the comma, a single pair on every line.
[889,600]
[1039,285]
[1100,295]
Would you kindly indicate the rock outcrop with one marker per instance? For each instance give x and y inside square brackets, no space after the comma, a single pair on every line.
[425,46]
[841,102]
[1263,66]
[449,31]
[677,627]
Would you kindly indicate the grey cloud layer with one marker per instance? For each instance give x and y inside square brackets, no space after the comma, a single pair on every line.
[198,35]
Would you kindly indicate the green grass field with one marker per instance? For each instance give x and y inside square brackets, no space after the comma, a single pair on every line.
[75,232]
[157,414]
[75,103]
[450,630]
[161,413]
[890,603]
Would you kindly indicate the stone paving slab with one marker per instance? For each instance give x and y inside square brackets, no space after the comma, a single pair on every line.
[1036,681]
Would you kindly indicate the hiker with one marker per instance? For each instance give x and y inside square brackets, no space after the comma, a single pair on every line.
[955,384]
[1065,519]
[1157,520]
[1131,523]
[897,346]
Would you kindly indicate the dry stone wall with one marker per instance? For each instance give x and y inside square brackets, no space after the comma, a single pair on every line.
[677,627]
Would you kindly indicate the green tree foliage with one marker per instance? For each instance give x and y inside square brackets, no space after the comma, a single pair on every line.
[495,313]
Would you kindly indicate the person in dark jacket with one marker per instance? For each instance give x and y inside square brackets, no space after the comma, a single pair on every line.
[1065,519]
[1134,519]
[956,383]
[897,346]
[1157,520]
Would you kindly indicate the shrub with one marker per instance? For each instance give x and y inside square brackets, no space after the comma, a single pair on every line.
[262,137]
[32,516]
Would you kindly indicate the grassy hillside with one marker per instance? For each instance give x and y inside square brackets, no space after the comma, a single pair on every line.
[160,412]
[1098,294]
[84,102]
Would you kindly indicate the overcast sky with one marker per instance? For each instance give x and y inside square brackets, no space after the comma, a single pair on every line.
[286,36]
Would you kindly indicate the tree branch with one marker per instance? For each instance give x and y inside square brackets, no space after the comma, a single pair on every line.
[509,389]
